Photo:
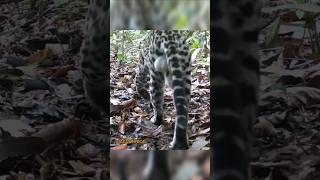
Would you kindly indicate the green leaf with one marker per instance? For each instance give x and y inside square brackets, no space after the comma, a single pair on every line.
[121,57]
[195,43]
[270,36]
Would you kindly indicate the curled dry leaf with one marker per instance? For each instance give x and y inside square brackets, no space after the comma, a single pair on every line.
[121,147]
[56,132]
[62,71]
[130,104]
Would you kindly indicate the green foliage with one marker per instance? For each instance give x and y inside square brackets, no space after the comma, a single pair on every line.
[198,41]
[127,43]
[306,11]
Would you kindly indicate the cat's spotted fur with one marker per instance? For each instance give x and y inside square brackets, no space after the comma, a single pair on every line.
[167,59]
[235,86]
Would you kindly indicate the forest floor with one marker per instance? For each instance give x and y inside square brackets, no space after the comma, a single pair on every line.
[133,120]
[44,130]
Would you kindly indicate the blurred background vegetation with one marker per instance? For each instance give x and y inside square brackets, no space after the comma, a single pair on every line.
[160,14]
